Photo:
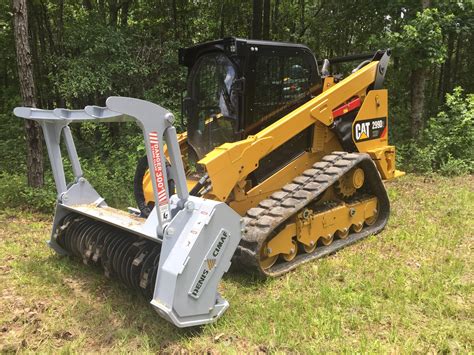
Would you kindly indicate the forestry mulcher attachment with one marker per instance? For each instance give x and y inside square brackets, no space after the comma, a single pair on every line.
[177,255]
[283,163]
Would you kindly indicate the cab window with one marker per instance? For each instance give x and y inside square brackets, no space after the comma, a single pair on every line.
[280,83]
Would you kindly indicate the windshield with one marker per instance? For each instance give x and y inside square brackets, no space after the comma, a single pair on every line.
[212,118]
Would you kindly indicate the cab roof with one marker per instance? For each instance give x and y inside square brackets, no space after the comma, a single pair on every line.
[232,46]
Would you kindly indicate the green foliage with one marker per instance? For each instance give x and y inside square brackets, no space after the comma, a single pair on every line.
[451,134]
[413,158]
[420,41]
[113,177]
[455,166]
[85,51]
[15,193]
[448,144]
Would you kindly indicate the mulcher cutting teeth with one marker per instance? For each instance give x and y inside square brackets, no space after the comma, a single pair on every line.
[129,258]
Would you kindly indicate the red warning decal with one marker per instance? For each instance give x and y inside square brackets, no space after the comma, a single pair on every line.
[158,168]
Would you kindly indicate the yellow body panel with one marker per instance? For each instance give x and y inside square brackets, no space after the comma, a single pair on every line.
[309,227]
[232,162]
[374,112]
[244,200]
[323,105]
[147,188]
[326,224]
[375,106]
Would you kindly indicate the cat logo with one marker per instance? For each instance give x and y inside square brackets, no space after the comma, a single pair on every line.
[211,263]
[362,131]
[374,128]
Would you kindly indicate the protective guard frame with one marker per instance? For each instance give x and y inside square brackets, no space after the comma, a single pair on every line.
[198,236]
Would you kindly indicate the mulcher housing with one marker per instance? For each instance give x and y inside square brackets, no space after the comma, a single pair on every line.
[178,254]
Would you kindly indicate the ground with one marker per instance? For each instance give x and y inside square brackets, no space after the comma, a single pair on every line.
[407,289]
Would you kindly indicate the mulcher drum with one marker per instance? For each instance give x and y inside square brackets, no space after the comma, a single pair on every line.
[131,259]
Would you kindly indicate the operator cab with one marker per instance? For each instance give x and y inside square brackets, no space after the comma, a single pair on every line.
[237,87]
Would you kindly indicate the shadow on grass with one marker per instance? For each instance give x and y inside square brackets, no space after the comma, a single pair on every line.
[92,301]
[102,308]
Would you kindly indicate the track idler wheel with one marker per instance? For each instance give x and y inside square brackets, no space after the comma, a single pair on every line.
[266,261]
[310,248]
[328,239]
[343,234]
[357,227]
[371,220]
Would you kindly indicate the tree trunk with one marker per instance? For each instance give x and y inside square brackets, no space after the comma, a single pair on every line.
[27,91]
[418,83]
[276,19]
[113,12]
[418,79]
[445,76]
[257,19]
[222,13]
[87,4]
[425,4]
[174,10]
[124,13]
[302,19]
[457,58]
[266,20]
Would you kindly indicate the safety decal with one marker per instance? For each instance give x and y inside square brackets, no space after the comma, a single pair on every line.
[163,204]
[211,263]
[365,130]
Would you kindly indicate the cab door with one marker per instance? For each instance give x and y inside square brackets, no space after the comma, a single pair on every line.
[213,104]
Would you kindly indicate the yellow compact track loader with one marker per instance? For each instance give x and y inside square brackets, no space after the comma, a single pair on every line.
[299,153]
[282,162]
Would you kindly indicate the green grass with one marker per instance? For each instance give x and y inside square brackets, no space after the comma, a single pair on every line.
[407,289]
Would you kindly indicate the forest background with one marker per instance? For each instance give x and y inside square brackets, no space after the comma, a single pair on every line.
[81,52]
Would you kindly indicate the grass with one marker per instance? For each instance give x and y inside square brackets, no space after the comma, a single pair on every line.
[407,289]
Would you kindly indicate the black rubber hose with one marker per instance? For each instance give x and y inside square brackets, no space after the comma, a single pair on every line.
[199,185]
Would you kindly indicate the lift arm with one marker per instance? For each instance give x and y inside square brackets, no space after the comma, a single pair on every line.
[233,162]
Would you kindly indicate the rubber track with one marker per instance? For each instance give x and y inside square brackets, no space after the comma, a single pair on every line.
[262,220]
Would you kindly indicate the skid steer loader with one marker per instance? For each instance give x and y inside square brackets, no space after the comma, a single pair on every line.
[281,163]
[263,123]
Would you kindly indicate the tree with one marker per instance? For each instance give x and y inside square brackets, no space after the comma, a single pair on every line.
[35,169]
[418,78]
[257,19]
[266,19]
[420,46]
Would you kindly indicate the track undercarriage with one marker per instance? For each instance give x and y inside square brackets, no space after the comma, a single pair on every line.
[337,202]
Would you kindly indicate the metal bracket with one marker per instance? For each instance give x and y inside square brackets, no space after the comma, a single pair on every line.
[156,124]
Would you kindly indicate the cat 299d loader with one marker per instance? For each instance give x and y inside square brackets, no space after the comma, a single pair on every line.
[281,163]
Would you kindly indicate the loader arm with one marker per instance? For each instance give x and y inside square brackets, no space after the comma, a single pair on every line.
[230,164]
